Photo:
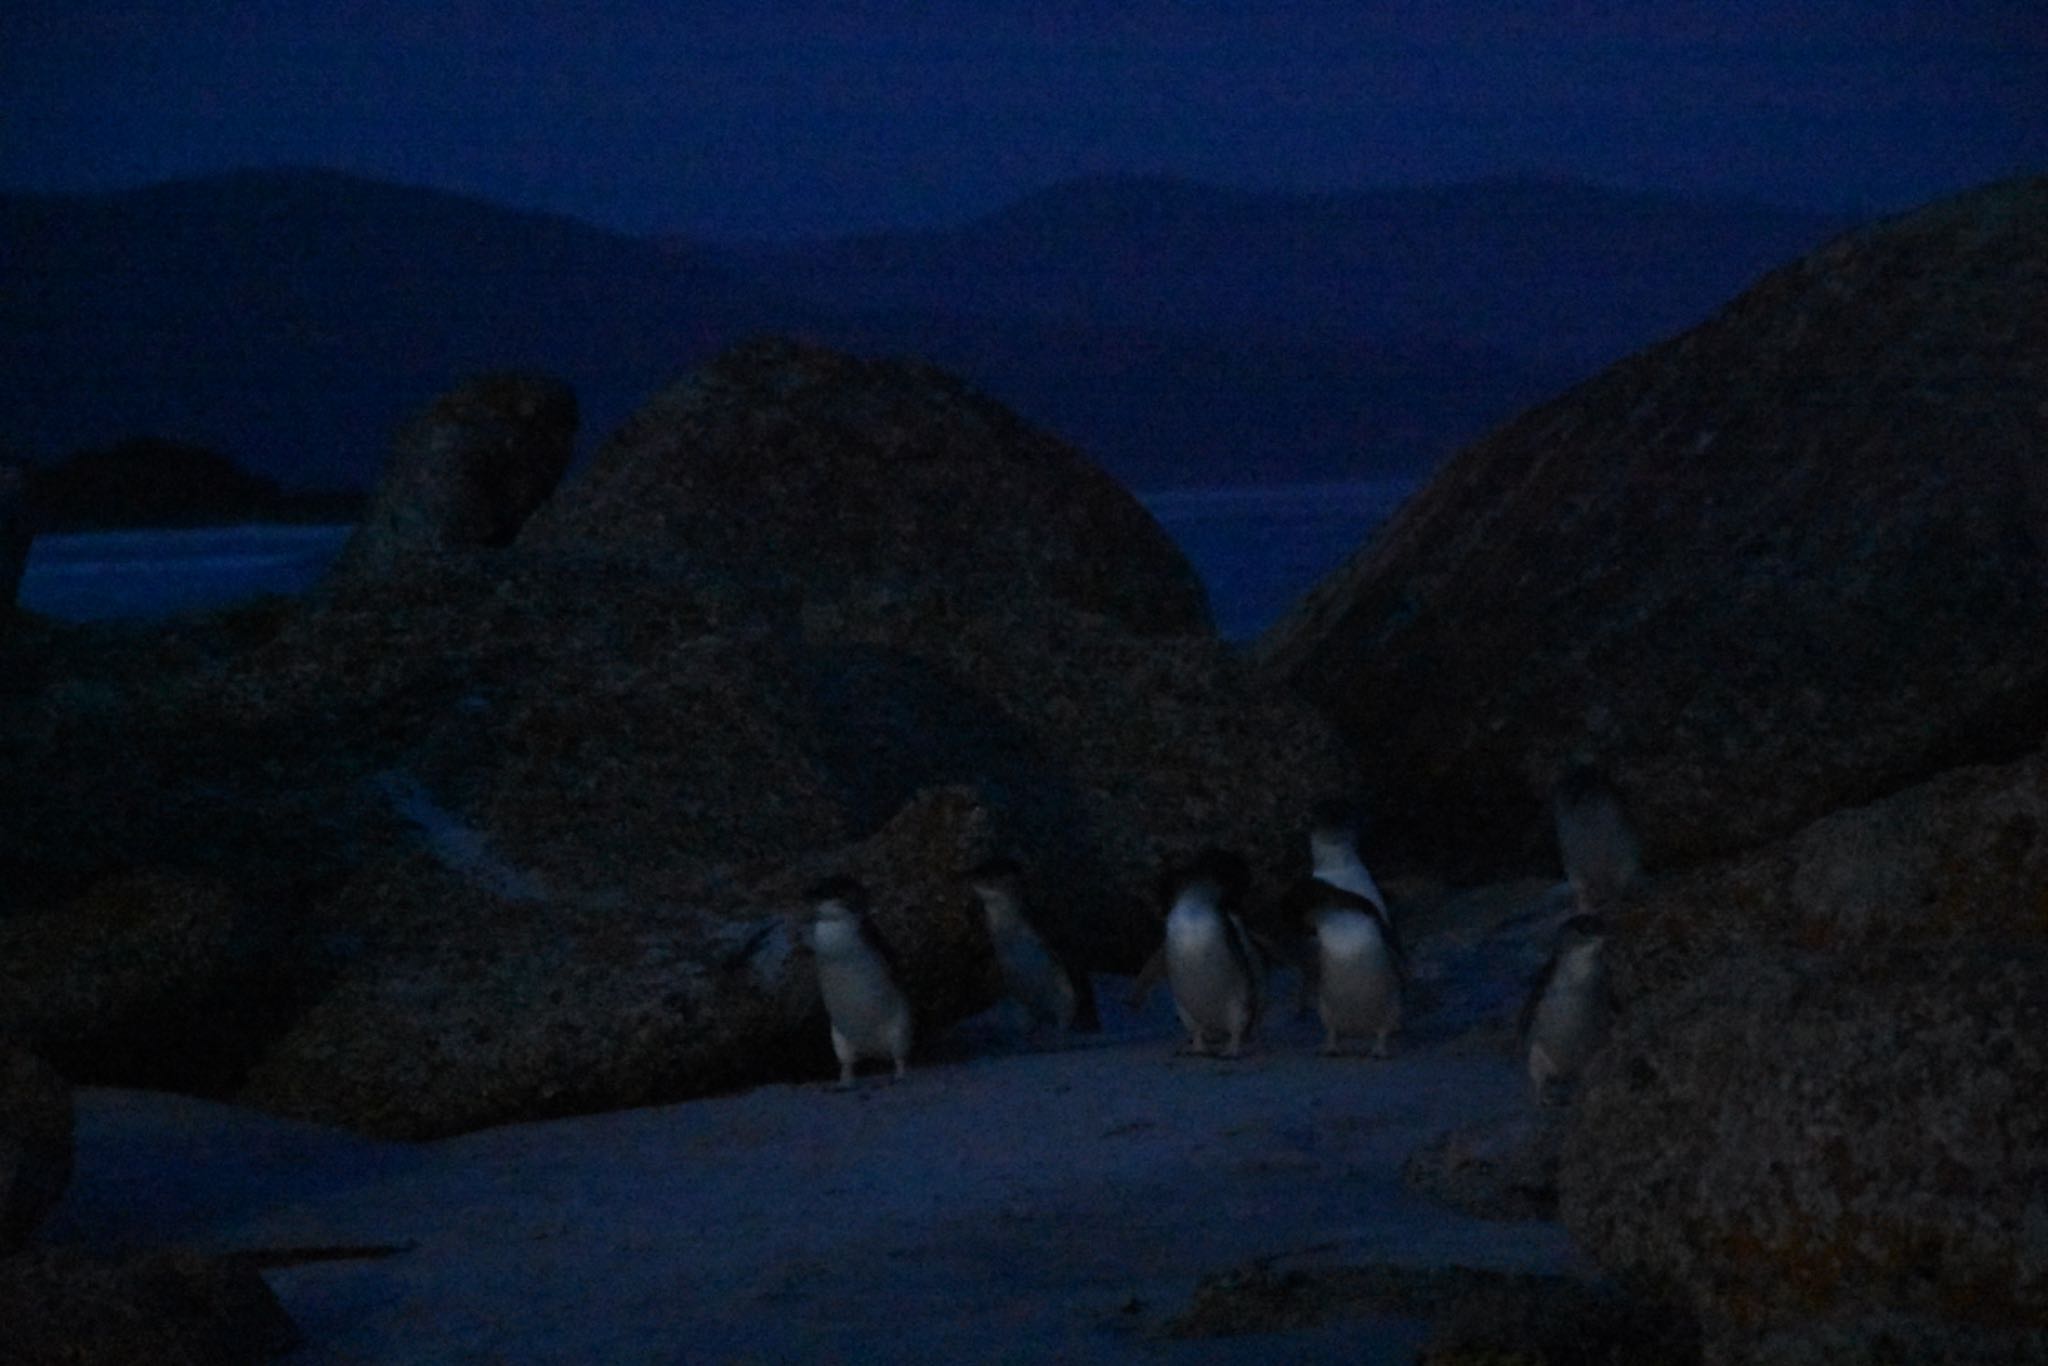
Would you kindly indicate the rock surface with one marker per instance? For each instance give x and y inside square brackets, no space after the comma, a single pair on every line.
[156,1308]
[1780,1141]
[14,534]
[517,1008]
[1960,858]
[1477,1317]
[1821,1105]
[466,473]
[822,468]
[35,1143]
[1781,564]
[149,978]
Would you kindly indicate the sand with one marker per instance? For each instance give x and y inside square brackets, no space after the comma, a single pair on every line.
[1010,1201]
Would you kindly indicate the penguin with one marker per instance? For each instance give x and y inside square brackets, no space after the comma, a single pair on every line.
[1333,855]
[858,978]
[1565,1019]
[1598,846]
[1038,976]
[1211,964]
[1356,970]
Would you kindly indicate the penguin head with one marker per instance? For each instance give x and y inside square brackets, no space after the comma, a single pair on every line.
[838,898]
[1215,874]
[1579,781]
[1334,818]
[1587,931]
[996,877]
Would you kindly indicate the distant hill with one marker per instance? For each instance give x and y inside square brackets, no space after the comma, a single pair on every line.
[291,319]
[1181,334]
[1560,276]
[147,481]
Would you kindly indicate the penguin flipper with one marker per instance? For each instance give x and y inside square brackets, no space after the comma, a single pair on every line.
[1538,985]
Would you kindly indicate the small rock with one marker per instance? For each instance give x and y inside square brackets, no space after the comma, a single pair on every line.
[61,1306]
[1504,1170]
[35,1144]
[150,978]
[465,474]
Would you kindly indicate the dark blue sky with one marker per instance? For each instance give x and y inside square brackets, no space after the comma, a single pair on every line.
[778,119]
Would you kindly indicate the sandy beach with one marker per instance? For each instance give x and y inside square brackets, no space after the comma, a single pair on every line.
[1009,1201]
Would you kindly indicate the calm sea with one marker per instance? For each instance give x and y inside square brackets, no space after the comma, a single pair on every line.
[1257,549]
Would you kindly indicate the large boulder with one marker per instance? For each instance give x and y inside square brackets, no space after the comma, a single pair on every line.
[1963,856]
[1781,564]
[1108,753]
[1787,1139]
[513,1007]
[35,1143]
[1821,1105]
[820,468]
[466,473]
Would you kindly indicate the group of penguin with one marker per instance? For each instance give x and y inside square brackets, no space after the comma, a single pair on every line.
[1342,935]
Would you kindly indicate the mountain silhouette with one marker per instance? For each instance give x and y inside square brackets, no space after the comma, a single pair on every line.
[1182,334]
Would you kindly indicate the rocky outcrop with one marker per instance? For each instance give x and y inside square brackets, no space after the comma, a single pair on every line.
[497,828]
[158,1307]
[465,474]
[1960,858]
[35,1143]
[1819,1108]
[818,468]
[506,1009]
[1779,565]
[1787,1140]
[14,534]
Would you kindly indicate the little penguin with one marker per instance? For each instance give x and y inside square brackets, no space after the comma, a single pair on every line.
[1598,846]
[1333,855]
[1356,971]
[858,978]
[1041,978]
[1211,964]
[1565,1019]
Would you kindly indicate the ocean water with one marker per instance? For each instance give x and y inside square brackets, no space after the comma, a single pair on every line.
[105,575]
[1257,549]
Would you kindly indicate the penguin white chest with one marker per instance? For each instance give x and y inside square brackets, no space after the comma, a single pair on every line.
[1359,988]
[860,994]
[1210,985]
[1570,1018]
